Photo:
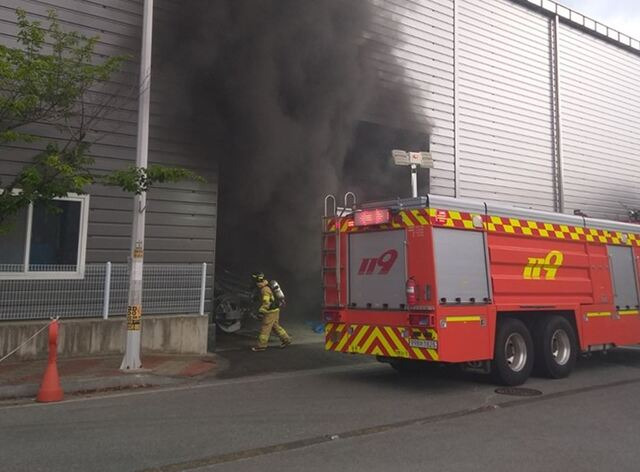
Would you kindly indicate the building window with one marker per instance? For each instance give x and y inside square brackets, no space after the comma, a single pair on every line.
[46,242]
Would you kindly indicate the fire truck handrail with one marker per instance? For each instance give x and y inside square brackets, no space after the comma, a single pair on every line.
[398,204]
[346,200]
[510,211]
[328,198]
[612,225]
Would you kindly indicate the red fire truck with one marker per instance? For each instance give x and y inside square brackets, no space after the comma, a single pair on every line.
[497,288]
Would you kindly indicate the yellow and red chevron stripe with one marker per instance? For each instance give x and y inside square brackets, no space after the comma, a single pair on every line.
[500,224]
[411,218]
[402,219]
[453,219]
[379,340]
[344,224]
[492,224]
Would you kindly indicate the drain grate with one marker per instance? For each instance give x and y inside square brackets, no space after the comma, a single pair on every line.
[518,391]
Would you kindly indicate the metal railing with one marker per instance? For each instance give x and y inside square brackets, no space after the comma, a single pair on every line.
[584,21]
[103,291]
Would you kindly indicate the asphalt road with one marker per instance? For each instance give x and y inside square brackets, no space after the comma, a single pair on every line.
[361,417]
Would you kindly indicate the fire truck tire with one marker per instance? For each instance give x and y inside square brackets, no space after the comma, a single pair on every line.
[513,358]
[555,347]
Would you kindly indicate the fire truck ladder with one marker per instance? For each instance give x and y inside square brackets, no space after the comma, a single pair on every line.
[331,223]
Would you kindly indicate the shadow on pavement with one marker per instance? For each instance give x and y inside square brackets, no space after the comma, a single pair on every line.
[244,362]
[432,378]
[429,378]
[310,354]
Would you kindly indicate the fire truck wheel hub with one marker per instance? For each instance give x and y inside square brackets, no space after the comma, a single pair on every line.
[515,349]
[560,347]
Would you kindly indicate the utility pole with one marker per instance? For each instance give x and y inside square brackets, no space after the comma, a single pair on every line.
[131,358]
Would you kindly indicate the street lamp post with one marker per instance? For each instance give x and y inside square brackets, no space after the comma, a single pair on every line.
[131,360]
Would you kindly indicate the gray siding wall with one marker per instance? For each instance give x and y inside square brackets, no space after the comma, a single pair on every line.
[600,91]
[504,101]
[421,55]
[482,71]
[181,218]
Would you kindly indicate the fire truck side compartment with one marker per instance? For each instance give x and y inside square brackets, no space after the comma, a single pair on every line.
[623,277]
[461,267]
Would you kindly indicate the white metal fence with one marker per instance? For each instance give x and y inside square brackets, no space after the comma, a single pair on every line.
[103,291]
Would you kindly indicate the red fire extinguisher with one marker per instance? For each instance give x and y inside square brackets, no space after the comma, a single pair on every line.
[411,286]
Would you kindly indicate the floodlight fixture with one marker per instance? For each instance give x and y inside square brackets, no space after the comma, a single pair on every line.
[414,159]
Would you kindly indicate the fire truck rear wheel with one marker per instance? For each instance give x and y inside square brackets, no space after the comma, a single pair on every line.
[555,347]
[513,358]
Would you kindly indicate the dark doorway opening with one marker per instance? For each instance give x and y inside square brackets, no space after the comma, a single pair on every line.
[369,170]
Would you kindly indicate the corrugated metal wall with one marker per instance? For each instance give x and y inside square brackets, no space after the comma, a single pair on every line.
[600,91]
[180,218]
[419,52]
[483,71]
[505,131]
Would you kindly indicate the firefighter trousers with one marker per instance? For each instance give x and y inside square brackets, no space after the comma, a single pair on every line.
[270,322]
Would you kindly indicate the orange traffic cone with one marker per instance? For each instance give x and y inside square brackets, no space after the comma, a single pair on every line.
[50,390]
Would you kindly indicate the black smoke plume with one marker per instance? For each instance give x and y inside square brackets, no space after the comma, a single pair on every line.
[275,92]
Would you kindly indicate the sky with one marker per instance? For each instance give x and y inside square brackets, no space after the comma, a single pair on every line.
[622,15]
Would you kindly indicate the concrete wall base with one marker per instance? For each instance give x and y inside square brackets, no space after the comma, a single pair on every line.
[176,334]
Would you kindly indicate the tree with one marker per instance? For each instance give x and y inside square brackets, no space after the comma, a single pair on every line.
[51,78]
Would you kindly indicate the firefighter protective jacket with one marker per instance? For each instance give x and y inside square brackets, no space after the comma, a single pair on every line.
[268,300]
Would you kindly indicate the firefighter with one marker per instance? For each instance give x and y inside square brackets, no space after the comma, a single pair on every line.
[270,313]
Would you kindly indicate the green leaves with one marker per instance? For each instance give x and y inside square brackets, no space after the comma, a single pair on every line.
[137,179]
[57,172]
[46,80]
[53,173]
[47,76]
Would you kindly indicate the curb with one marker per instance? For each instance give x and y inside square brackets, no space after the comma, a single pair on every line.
[78,385]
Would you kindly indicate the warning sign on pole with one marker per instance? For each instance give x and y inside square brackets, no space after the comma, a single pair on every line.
[134,314]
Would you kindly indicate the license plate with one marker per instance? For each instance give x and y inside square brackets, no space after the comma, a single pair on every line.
[423,343]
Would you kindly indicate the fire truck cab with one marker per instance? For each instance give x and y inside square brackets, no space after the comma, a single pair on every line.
[501,289]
